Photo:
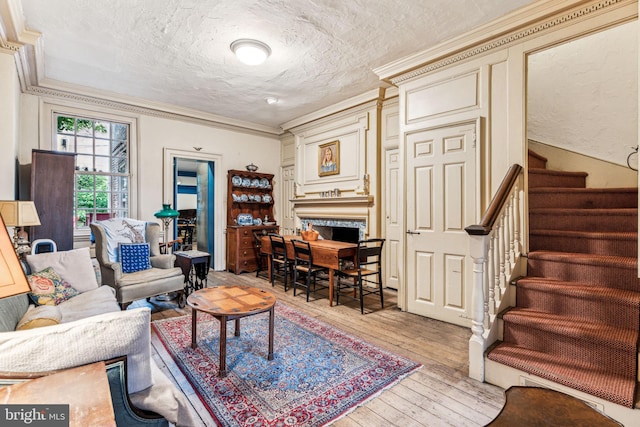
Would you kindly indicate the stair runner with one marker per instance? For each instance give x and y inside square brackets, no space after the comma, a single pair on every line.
[577,315]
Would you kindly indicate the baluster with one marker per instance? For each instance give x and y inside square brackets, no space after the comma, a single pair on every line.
[486,288]
[512,253]
[496,263]
[501,253]
[490,277]
[518,224]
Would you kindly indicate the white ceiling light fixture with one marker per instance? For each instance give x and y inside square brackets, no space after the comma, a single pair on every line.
[250,52]
[271,100]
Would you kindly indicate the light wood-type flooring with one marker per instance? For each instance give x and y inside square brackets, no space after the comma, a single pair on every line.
[438,394]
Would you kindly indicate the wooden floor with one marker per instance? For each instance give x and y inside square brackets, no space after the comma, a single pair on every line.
[439,394]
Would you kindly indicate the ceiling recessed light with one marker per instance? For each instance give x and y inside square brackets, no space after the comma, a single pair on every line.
[250,52]
[271,100]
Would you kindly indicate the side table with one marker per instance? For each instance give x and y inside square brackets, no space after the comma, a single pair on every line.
[231,302]
[195,267]
[84,390]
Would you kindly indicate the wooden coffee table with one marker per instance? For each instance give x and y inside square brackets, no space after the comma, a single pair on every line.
[231,302]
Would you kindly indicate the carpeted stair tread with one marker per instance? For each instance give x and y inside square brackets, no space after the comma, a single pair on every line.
[622,219]
[536,160]
[624,339]
[593,242]
[578,258]
[539,177]
[615,307]
[586,198]
[610,271]
[614,388]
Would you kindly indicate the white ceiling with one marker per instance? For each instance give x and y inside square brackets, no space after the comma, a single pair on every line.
[176,52]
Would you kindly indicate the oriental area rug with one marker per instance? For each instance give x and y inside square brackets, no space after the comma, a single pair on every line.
[318,373]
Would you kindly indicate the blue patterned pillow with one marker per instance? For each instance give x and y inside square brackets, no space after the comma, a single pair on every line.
[134,257]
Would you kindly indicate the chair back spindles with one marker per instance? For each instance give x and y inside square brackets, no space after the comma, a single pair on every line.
[366,271]
[280,264]
[304,269]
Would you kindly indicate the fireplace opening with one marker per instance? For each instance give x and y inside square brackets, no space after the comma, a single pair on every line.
[343,230]
[345,234]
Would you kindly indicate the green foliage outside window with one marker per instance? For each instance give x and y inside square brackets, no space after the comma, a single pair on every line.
[68,125]
[100,191]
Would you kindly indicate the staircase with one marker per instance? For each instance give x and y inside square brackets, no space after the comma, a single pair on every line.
[576,320]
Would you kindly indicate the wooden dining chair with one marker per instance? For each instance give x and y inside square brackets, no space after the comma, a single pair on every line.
[365,277]
[305,273]
[281,265]
[261,257]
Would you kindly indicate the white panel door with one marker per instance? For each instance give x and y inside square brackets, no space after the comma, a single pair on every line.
[393,220]
[440,179]
[286,220]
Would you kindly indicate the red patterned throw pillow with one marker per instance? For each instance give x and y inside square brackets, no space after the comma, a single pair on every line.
[48,288]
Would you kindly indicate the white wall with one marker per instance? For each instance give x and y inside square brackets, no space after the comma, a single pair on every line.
[236,150]
[9,107]
[583,95]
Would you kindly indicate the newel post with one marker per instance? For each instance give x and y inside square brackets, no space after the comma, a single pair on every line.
[479,309]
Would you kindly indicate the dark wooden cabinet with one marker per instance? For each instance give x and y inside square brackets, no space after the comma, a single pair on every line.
[243,251]
[52,181]
[249,195]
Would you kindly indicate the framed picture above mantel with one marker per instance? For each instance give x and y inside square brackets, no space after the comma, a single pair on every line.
[329,158]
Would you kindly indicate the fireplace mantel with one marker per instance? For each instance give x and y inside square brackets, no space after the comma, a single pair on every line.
[333,207]
[347,201]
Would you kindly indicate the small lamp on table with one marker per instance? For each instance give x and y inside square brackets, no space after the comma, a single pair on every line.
[166,214]
[19,214]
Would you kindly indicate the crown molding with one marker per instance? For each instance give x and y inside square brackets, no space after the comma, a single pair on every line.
[522,24]
[372,95]
[60,90]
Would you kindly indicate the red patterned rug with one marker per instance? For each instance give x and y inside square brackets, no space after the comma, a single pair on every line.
[318,374]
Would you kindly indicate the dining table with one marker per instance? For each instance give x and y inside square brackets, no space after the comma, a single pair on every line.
[325,253]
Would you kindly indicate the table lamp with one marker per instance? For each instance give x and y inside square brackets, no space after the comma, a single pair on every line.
[19,214]
[13,281]
[166,214]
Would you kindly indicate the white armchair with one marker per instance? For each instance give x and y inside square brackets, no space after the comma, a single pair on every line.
[161,278]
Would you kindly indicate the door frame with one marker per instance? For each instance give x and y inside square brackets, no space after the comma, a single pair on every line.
[219,215]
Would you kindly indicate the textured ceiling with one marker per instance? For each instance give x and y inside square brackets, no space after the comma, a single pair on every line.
[176,52]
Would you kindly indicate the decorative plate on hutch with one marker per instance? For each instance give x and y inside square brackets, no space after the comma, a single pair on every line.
[245,219]
[236,180]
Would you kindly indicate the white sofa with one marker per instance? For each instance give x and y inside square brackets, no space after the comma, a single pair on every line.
[86,328]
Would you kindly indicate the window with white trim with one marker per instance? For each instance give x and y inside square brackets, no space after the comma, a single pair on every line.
[102,179]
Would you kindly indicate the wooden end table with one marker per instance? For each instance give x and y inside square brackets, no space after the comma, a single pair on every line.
[85,389]
[195,268]
[231,302]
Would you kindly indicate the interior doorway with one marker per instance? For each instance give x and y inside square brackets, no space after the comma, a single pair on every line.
[193,198]
[196,179]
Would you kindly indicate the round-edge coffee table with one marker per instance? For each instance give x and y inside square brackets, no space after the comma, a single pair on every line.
[231,302]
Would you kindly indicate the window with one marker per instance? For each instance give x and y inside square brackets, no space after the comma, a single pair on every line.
[102,166]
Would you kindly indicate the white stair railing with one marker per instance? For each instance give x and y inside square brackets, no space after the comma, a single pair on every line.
[495,247]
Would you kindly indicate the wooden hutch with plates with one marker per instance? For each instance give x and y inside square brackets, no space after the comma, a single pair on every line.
[249,214]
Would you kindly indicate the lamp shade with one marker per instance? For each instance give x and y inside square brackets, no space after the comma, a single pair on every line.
[17,213]
[12,277]
[166,212]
